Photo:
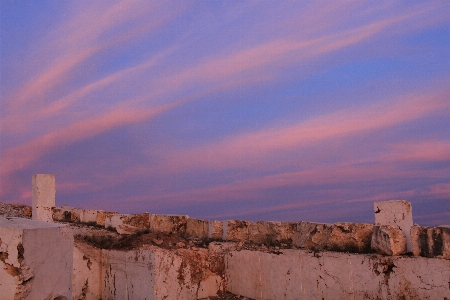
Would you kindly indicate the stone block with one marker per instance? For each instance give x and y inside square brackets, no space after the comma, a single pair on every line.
[87,272]
[102,215]
[397,213]
[43,196]
[87,215]
[311,235]
[271,233]
[350,237]
[431,241]
[196,228]
[169,224]
[388,240]
[127,223]
[35,259]
[65,214]
[236,231]
[215,230]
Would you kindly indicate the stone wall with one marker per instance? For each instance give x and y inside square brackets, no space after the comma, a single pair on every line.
[391,259]
[340,237]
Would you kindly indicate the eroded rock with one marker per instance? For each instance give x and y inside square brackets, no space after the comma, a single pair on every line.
[311,235]
[431,241]
[388,240]
[350,237]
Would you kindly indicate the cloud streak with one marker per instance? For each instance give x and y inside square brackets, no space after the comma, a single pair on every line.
[254,147]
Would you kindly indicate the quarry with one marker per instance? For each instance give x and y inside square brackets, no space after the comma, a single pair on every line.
[50,252]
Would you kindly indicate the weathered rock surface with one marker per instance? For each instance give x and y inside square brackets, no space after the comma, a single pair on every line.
[35,259]
[128,224]
[15,210]
[311,235]
[156,273]
[431,241]
[270,233]
[215,230]
[196,228]
[388,240]
[87,282]
[302,274]
[170,224]
[236,231]
[350,237]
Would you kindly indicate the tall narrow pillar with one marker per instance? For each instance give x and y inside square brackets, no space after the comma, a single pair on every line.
[44,196]
[397,213]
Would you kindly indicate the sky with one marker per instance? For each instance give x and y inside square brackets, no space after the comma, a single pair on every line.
[248,110]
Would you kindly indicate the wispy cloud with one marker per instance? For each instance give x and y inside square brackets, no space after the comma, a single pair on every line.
[251,148]
[21,156]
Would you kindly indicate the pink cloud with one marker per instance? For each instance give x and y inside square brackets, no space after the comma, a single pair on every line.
[342,175]
[19,157]
[79,39]
[255,147]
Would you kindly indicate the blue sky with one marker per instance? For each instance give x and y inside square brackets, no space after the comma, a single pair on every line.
[283,110]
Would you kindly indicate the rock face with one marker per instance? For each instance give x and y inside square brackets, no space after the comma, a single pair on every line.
[350,237]
[270,233]
[431,241]
[312,235]
[236,230]
[156,273]
[215,230]
[87,282]
[302,274]
[397,213]
[197,228]
[35,259]
[169,224]
[128,224]
[388,240]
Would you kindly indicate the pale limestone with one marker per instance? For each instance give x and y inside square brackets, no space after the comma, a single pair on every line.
[210,286]
[236,231]
[431,241]
[65,214]
[155,273]
[215,230]
[269,233]
[87,215]
[87,272]
[311,235]
[102,215]
[301,274]
[388,240]
[196,228]
[35,259]
[397,213]
[128,223]
[350,237]
[169,224]
[43,196]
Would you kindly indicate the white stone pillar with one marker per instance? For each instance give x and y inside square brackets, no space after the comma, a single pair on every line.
[397,213]
[44,196]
